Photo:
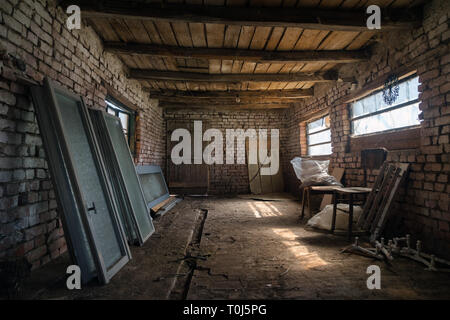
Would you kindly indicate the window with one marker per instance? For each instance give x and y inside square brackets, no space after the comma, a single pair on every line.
[371,114]
[126,116]
[318,136]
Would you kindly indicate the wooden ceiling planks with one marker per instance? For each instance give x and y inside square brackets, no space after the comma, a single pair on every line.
[213,35]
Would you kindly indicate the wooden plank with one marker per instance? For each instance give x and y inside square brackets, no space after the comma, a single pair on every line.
[225,100]
[278,181]
[370,199]
[182,34]
[289,39]
[292,94]
[310,39]
[198,34]
[338,40]
[305,18]
[397,140]
[138,30]
[390,189]
[254,179]
[379,226]
[146,74]
[222,106]
[378,198]
[103,28]
[166,33]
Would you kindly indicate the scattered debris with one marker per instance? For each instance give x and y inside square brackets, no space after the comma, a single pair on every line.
[382,251]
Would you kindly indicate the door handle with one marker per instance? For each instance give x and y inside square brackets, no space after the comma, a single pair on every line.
[92,208]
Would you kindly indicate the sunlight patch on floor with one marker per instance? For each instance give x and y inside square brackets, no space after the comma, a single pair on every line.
[306,258]
[261,209]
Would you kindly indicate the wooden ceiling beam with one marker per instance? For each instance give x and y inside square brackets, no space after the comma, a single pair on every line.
[147,74]
[233,94]
[225,106]
[331,56]
[307,18]
[229,100]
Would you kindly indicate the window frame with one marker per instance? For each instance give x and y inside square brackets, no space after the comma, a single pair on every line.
[119,107]
[385,110]
[317,132]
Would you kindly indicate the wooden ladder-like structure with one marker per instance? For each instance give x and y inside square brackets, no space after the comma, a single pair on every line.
[379,201]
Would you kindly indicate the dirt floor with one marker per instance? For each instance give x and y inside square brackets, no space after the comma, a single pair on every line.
[234,248]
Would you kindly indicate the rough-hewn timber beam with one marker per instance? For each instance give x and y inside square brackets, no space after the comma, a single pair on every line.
[307,18]
[145,74]
[224,106]
[332,56]
[233,94]
[229,100]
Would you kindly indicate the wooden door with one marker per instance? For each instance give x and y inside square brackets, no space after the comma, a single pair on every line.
[185,178]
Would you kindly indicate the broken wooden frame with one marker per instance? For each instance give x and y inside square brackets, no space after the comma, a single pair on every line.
[127,188]
[380,200]
[89,213]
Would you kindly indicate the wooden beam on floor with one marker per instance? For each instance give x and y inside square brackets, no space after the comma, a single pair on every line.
[326,56]
[306,18]
[147,74]
[233,94]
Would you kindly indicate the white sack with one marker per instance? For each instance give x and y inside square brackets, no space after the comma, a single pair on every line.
[322,220]
[313,172]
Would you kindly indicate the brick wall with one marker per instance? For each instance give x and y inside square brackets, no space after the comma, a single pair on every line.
[231,178]
[423,206]
[35,32]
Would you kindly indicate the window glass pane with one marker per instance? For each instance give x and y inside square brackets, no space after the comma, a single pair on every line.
[398,118]
[111,111]
[123,114]
[324,136]
[124,120]
[408,91]
[321,149]
[319,124]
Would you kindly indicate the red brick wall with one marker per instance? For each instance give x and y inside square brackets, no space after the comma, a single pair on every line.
[227,178]
[35,32]
[423,206]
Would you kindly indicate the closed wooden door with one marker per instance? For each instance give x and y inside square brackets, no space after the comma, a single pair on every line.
[185,178]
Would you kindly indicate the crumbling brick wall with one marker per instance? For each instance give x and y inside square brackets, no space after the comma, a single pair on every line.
[231,178]
[423,206]
[35,32]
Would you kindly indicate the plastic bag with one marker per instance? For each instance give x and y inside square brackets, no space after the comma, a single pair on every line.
[313,172]
[322,220]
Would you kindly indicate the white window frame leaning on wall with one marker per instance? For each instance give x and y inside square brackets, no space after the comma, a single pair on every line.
[318,135]
[371,114]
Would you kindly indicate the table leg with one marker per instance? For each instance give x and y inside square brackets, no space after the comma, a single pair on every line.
[333,221]
[308,197]
[303,203]
[350,218]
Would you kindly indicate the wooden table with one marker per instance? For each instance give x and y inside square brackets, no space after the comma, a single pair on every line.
[316,190]
[350,193]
